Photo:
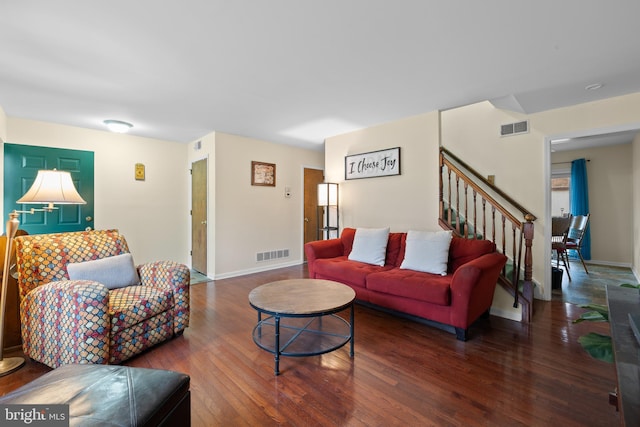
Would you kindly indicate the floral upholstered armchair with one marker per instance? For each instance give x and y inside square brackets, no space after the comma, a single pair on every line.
[82,320]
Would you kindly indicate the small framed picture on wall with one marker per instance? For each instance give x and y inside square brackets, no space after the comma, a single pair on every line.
[263,174]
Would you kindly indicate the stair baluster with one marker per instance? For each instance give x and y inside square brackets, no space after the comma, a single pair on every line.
[454,215]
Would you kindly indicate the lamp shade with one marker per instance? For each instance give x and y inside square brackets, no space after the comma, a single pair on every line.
[53,186]
[327,194]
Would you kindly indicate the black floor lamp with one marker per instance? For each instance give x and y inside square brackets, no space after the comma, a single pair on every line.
[328,198]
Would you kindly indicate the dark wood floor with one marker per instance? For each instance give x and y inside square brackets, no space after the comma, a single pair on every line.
[403,373]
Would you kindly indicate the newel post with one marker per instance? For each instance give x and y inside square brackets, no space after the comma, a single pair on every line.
[528,242]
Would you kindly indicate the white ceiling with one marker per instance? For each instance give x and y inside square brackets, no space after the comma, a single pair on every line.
[591,141]
[298,71]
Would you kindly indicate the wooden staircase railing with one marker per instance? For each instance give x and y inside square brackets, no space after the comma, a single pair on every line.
[466,214]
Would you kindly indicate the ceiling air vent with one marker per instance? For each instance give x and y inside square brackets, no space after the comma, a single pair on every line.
[514,128]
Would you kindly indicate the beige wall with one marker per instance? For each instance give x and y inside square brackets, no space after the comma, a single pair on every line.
[407,201]
[590,117]
[152,214]
[3,125]
[522,163]
[472,133]
[635,188]
[251,219]
[609,174]
[248,219]
[600,117]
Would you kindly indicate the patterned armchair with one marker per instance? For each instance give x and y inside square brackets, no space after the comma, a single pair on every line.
[82,321]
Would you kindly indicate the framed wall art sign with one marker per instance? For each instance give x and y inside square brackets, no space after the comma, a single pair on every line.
[139,168]
[373,164]
[263,174]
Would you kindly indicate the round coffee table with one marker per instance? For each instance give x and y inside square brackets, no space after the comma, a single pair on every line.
[302,319]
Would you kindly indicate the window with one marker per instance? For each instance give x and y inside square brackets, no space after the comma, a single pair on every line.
[560,184]
[560,194]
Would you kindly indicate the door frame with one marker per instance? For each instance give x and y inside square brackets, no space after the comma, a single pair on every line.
[207,210]
[547,189]
[302,191]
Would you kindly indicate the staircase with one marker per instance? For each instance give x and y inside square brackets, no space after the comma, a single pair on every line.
[474,208]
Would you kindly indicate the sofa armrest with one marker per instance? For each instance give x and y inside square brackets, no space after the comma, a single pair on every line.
[472,288]
[172,275]
[66,322]
[322,249]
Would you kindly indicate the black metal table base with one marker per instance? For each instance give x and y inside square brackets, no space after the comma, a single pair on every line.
[297,335]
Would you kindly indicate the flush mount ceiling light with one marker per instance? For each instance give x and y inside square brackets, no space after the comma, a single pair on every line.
[118,126]
[594,86]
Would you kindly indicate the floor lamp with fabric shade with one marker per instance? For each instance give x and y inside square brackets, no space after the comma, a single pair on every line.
[328,197]
[50,187]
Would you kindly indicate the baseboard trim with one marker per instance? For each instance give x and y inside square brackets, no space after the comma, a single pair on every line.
[607,263]
[515,315]
[256,270]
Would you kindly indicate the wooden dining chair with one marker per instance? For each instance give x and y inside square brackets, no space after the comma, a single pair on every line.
[575,237]
[559,234]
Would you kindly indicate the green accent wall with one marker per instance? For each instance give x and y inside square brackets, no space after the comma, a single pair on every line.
[21,165]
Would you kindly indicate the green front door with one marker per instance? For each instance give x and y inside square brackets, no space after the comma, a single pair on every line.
[21,165]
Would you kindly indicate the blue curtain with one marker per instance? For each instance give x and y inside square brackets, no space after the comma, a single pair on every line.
[579,199]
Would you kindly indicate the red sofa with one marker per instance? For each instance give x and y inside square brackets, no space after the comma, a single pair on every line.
[457,299]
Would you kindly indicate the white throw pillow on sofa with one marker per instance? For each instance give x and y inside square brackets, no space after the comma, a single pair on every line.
[370,245]
[113,272]
[427,251]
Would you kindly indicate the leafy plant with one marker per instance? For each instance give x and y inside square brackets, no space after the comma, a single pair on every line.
[598,313]
[597,345]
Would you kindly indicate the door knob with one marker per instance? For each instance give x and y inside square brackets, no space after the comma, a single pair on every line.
[306,220]
[203,222]
[87,229]
[89,219]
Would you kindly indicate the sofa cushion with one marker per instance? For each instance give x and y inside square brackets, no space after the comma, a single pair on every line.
[114,272]
[370,245]
[462,251]
[342,270]
[347,239]
[134,304]
[394,245]
[431,288]
[54,251]
[427,251]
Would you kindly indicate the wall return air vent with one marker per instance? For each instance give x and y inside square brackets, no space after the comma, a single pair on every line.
[514,128]
[270,255]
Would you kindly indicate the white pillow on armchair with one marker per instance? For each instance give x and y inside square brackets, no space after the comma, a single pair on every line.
[114,272]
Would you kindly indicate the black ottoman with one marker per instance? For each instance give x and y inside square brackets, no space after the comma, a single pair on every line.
[109,395]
